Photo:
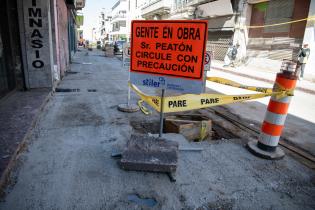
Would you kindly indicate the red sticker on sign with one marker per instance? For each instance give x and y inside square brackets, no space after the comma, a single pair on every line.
[170,48]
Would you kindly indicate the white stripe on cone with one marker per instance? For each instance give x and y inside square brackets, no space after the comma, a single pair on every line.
[282,100]
[277,119]
[269,140]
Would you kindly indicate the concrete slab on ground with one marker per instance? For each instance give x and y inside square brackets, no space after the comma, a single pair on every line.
[148,153]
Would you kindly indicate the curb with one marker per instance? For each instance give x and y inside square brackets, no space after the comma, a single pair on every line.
[5,177]
[305,90]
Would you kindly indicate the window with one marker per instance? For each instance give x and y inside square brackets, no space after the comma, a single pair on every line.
[279,11]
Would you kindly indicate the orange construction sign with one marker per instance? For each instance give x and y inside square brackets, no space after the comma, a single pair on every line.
[174,48]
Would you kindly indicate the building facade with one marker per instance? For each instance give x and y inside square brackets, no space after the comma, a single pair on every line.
[232,22]
[119,20]
[105,27]
[221,16]
[156,10]
[280,41]
[37,39]
[309,38]
[11,65]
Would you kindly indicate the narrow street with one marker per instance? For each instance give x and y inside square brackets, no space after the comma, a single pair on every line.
[68,164]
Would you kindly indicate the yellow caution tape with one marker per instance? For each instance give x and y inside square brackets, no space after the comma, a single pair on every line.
[283,92]
[192,101]
[203,130]
[283,23]
[143,108]
[153,101]
[238,85]
[277,88]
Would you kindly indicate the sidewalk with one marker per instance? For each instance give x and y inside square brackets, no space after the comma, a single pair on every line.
[262,74]
[68,162]
[18,113]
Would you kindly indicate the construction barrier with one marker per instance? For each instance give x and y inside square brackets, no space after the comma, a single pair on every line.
[188,102]
[276,113]
[273,124]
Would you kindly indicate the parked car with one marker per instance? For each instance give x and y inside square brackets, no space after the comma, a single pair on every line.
[118,47]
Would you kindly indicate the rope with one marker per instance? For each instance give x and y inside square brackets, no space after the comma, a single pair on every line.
[284,23]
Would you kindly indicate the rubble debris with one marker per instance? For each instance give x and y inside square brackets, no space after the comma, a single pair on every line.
[147,153]
[193,126]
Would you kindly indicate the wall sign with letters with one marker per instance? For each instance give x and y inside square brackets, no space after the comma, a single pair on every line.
[37,42]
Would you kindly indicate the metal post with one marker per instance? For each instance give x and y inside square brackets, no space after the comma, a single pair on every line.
[161,113]
[128,99]
[204,80]
[127,107]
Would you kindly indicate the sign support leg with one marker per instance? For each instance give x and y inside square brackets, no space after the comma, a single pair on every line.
[128,107]
[204,80]
[128,99]
[162,113]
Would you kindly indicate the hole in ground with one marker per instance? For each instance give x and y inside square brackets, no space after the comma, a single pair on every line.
[91,90]
[64,90]
[72,72]
[145,127]
[135,198]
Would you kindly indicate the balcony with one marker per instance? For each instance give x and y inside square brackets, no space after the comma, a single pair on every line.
[119,30]
[213,9]
[119,27]
[198,2]
[119,17]
[79,20]
[79,4]
[156,7]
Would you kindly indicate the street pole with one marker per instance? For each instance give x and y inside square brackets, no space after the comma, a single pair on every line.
[127,107]
[128,99]
[161,114]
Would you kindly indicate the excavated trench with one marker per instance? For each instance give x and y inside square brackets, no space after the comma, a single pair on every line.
[149,126]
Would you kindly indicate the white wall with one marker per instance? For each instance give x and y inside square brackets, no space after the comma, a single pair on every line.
[36,42]
[309,38]
[216,8]
[241,31]
[123,5]
[134,13]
